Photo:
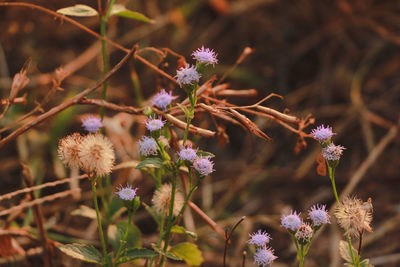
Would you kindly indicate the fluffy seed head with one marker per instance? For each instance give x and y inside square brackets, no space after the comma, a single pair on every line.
[162,200]
[304,233]
[319,215]
[187,153]
[332,152]
[205,55]
[126,193]
[260,238]
[354,216]
[163,99]
[264,256]
[96,155]
[147,146]
[154,124]
[187,75]
[68,149]
[92,123]
[203,165]
[322,134]
[291,222]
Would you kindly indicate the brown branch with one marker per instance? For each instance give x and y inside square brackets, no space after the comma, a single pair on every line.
[72,101]
[207,219]
[37,187]
[38,215]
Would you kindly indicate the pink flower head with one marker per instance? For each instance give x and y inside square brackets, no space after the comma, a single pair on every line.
[322,134]
[203,165]
[154,124]
[92,123]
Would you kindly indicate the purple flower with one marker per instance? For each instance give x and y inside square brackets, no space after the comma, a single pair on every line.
[322,133]
[187,153]
[291,222]
[205,55]
[154,124]
[126,193]
[319,215]
[264,256]
[92,123]
[203,165]
[332,152]
[260,238]
[148,146]
[187,75]
[163,99]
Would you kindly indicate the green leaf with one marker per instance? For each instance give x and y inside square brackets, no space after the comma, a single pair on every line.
[345,251]
[136,253]
[78,11]
[121,11]
[116,231]
[181,230]
[188,252]
[365,263]
[150,162]
[82,252]
[202,153]
[184,109]
[85,211]
[166,254]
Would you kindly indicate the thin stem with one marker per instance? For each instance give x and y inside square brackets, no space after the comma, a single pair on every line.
[160,237]
[332,178]
[360,243]
[193,100]
[170,217]
[123,241]
[301,256]
[100,226]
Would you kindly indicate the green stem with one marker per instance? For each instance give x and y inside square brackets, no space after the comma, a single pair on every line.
[193,101]
[100,226]
[160,238]
[301,256]
[123,241]
[332,178]
[170,217]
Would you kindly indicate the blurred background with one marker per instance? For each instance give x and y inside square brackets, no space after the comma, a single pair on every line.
[337,60]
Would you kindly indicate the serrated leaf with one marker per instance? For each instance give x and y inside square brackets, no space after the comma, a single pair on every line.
[78,11]
[150,163]
[166,254]
[122,11]
[82,252]
[116,231]
[84,211]
[202,153]
[189,252]
[136,253]
[181,230]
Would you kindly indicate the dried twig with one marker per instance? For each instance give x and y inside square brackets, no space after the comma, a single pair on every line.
[72,101]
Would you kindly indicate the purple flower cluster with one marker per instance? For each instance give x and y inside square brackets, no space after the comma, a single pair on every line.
[264,256]
[92,123]
[259,238]
[319,215]
[187,153]
[291,222]
[322,134]
[205,56]
[203,165]
[187,75]
[163,99]
[154,124]
[126,193]
[147,146]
